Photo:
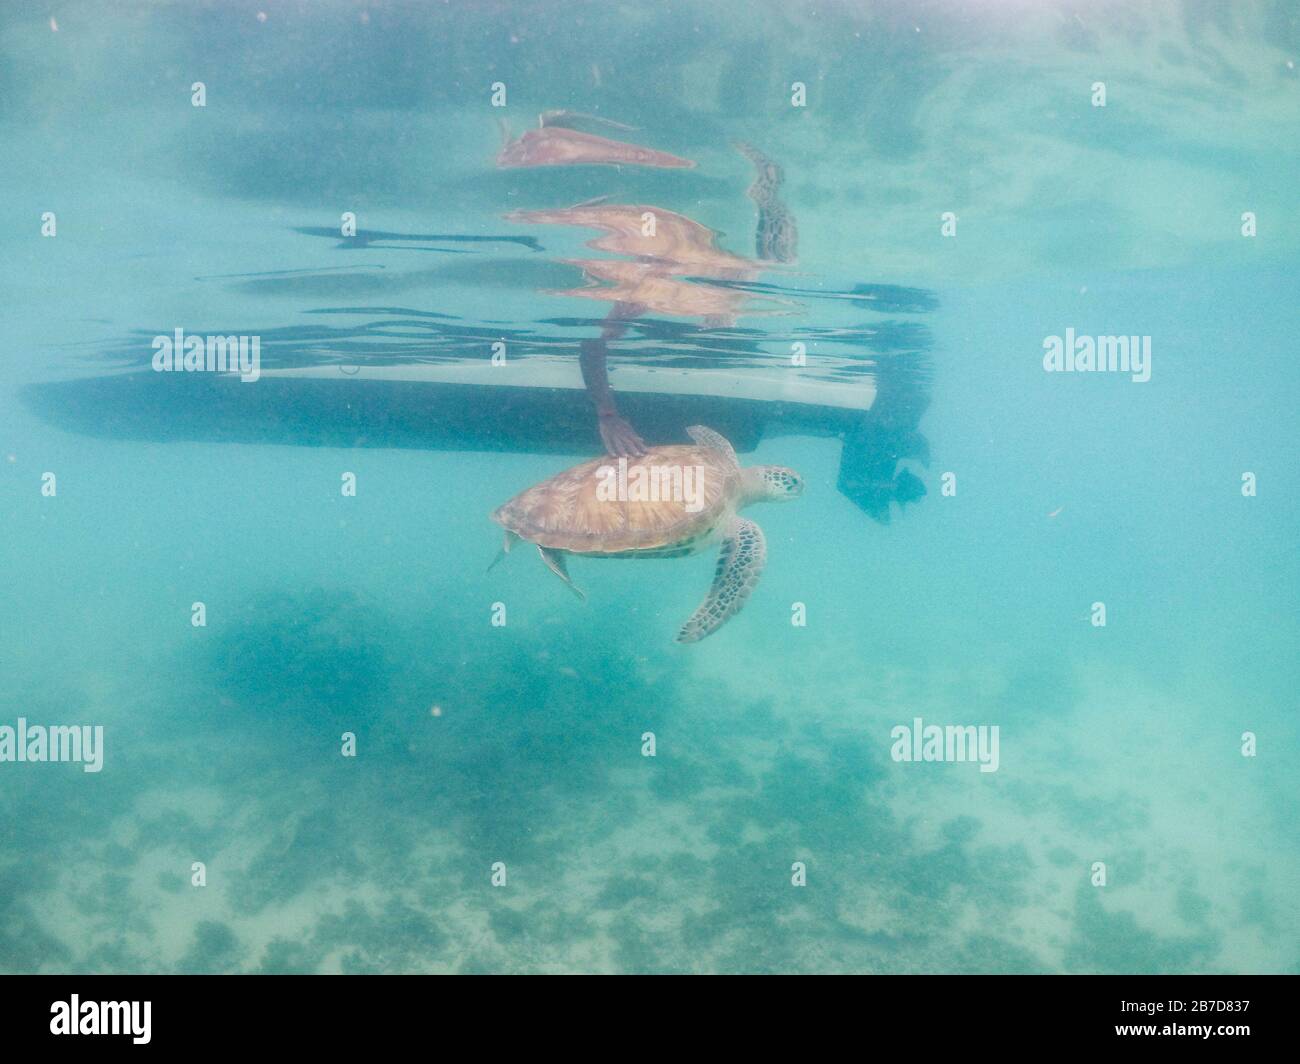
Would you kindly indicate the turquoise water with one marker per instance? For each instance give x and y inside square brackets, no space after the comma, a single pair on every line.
[329,613]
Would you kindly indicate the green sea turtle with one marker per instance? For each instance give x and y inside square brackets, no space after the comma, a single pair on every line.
[667,503]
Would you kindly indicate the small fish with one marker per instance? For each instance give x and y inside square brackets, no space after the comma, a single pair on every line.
[1056,511]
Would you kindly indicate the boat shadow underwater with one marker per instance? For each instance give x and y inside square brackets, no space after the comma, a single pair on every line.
[398,377]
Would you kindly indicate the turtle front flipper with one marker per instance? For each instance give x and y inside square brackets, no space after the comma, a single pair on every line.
[570,120]
[740,564]
[554,560]
[706,437]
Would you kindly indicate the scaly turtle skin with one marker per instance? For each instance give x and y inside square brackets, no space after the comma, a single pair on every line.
[777,237]
[579,512]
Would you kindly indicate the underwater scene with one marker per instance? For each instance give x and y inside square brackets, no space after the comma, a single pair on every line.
[745,486]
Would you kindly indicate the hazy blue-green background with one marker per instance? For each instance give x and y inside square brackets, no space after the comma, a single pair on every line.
[328,614]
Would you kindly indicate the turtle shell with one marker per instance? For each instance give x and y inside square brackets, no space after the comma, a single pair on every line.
[583,510]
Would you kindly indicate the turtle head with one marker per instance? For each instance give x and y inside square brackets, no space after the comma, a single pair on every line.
[773,483]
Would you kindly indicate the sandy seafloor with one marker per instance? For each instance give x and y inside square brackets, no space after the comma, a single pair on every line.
[328,614]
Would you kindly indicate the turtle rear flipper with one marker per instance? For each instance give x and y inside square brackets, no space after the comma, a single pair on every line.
[740,564]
